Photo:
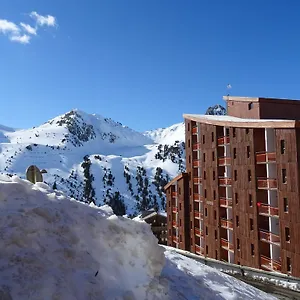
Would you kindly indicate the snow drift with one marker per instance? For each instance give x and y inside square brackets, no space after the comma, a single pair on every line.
[53,247]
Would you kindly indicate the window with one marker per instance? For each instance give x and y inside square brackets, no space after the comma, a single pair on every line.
[252,249]
[236,197]
[227,131]
[188,126]
[204,175]
[190,207]
[249,175]
[206,230]
[287,234]
[216,254]
[251,225]
[215,215]
[169,203]
[214,195]
[248,151]
[289,264]
[205,193]
[247,130]
[282,146]
[179,206]
[235,175]
[169,231]
[283,172]
[216,235]
[205,211]
[237,221]
[203,157]
[234,132]
[214,175]
[191,241]
[285,205]
[179,222]
[191,225]
[203,139]
[212,137]
[238,246]
[250,200]
[234,153]
[179,191]
[213,155]
[206,249]
[190,191]
[189,143]
[180,238]
[250,106]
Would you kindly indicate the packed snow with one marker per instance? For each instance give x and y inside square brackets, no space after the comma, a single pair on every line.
[54,247]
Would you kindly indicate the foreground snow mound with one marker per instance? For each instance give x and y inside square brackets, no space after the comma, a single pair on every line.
[53,247]
[190,279]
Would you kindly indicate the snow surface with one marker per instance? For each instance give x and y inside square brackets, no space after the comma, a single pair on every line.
[54,247]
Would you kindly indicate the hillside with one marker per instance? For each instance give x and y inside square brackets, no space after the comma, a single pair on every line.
[95,159]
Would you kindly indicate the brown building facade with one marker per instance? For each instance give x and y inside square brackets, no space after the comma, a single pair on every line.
[239,198]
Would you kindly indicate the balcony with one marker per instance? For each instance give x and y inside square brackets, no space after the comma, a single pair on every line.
[225,181]
[266,183]
[265,157]
[196,146]
[224,140]
[269,237]
[175,239]
[174,224]
[197,180]
[267,210]
[198,232]
[195,130]
[228,224]
[226,245]
[196,197]
[174,194]
[199,250]
[196,163]
[225,202]
[270,264]
[224,161]
[174,209]
[198,214]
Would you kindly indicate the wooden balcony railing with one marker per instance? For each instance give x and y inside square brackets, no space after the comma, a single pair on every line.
[196,197]
[266,183]
[226,245]
[265,157]
[270,264]
[196,146]
[199,250]
[265,209]
[174,209]
[174,224]
[225,181]
[198,214]
[194,130]
[175,239]
[228,224]
[196,163]
[198,232]
[224,140]
[197,180]
[224,161]
[174,194]
[225,202]
[269,237]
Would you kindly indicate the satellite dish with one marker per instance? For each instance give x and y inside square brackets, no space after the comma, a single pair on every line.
[33,174]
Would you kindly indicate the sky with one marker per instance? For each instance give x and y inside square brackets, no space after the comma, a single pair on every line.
[143,63]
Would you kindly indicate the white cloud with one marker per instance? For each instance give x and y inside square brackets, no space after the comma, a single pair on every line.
[22,39]
[28,28]
[43,20]
[8,27]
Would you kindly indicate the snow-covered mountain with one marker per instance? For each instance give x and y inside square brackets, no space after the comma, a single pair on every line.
[218,110]
[98,160]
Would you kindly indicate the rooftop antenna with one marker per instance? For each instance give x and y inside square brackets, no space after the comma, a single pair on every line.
[228,89]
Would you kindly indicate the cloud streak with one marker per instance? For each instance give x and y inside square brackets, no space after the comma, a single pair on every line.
[24,32]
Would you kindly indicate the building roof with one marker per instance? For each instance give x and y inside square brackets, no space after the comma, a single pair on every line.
[152,213]
[174,180]
[261,99]
[240,122]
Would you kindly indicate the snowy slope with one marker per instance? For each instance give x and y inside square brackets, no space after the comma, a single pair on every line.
[54,247]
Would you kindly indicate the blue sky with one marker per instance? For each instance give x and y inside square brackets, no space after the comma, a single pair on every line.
[145,63]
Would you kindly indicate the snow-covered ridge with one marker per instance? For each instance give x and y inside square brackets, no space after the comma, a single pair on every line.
[217,110]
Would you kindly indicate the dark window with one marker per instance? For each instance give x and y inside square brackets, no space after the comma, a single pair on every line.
[204,175]
[248,151]
[216,235]
[206,230]
[189,143]
[234,153]
[169,231]
[289,264]
[249,175]
[250,200]
[252,249]
[188,126]
[212,137]
[191,241]
[251,224]
[203,139]
[234,132]
[216,254]
[287,234]
[235,175]
[213,155]
[283,171]
[214,195]
[285,205]
[214,175]
[179,222]
[190,191]
[180,238]
[205,211]
[250,106]
[237,221]
[203,157]
[205,193]
[206,249]
[215,215]
[227,131]
[179,206]
[179,191]
[236,196]
[238,244]
[191,225]
[238,262]
[282,146]
[247,130]
[189,159]
[190,207]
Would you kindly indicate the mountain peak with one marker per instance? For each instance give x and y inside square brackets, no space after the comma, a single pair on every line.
[217,110]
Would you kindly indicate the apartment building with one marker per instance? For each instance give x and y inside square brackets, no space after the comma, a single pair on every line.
[239,198]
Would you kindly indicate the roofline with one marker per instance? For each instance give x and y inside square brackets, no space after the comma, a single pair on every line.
[152,215]
[261,99]
[235,123]
[237,98]
[174,180]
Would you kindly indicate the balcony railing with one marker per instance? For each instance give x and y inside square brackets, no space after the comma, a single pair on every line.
[175,239]
[196,163]
[197,180]
[265,157]
[174,194]
[198,232]
[269,237]
[224,161]
[196,197]
[174,224]
[225,202]
[266,183]
[174,209]
[226,224]
[196,146]
[226,245]
[198,214]
[265,209]
[270,264]
[194,130]
[199,250]
[224,140]
[225,181]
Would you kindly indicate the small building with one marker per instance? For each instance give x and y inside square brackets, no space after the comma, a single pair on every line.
[158,222]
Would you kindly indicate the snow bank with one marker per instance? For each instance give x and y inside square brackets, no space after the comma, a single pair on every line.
[53,247]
